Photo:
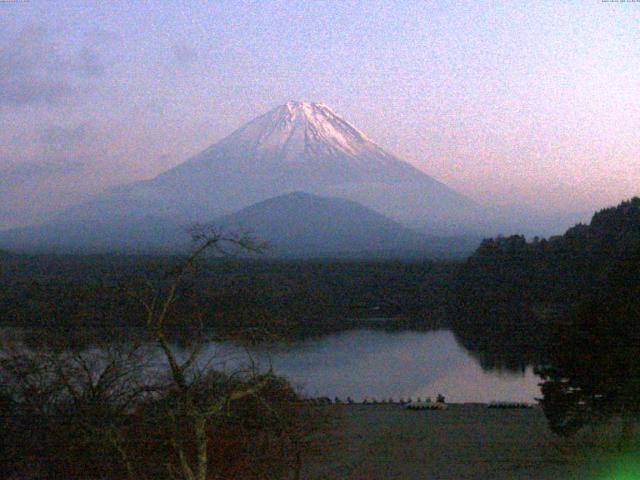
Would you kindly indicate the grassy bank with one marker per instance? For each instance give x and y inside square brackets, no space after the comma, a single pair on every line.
[464,442]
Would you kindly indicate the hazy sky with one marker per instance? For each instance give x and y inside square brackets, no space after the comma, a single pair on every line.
[514,102]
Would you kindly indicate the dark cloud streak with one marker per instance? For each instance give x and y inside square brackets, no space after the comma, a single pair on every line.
[35,171]
[63,137]
[62,153]
[35,72]
[184,54]
[25,91]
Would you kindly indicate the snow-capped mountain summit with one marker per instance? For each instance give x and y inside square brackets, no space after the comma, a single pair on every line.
[296,147]
[301,128]
[295,135]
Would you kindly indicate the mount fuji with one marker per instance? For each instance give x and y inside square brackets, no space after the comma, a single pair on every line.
[296,147]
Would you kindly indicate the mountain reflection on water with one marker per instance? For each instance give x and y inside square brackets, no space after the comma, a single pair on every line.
[381,364]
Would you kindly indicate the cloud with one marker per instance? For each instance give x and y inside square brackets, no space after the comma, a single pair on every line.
[31,191]
[54,165]
[184,53]
[100,36]
[89,62]
[16,180]
[32,90]
[35,70]
[63,151]
[35,171]
[63,137]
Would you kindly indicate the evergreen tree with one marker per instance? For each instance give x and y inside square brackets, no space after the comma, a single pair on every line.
[593,372]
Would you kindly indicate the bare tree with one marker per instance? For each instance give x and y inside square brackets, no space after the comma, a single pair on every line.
[70,400]
[191,407]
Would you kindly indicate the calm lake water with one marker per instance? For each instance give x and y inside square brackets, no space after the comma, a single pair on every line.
[381,364]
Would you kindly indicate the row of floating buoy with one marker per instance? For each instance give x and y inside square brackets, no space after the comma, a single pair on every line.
[374,401]
[418,404]
[510,405]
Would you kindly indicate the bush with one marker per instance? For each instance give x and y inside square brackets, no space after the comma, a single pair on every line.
[63,421]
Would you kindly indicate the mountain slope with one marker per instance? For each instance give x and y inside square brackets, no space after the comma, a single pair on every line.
[298,146]
[309,225]
[123,234]
[293,225]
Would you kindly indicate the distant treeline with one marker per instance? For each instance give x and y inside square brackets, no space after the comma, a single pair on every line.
[299,297]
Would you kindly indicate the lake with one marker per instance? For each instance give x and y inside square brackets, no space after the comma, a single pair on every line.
[381,364]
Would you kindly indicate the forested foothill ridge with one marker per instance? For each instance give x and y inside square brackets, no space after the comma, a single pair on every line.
[572,302]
